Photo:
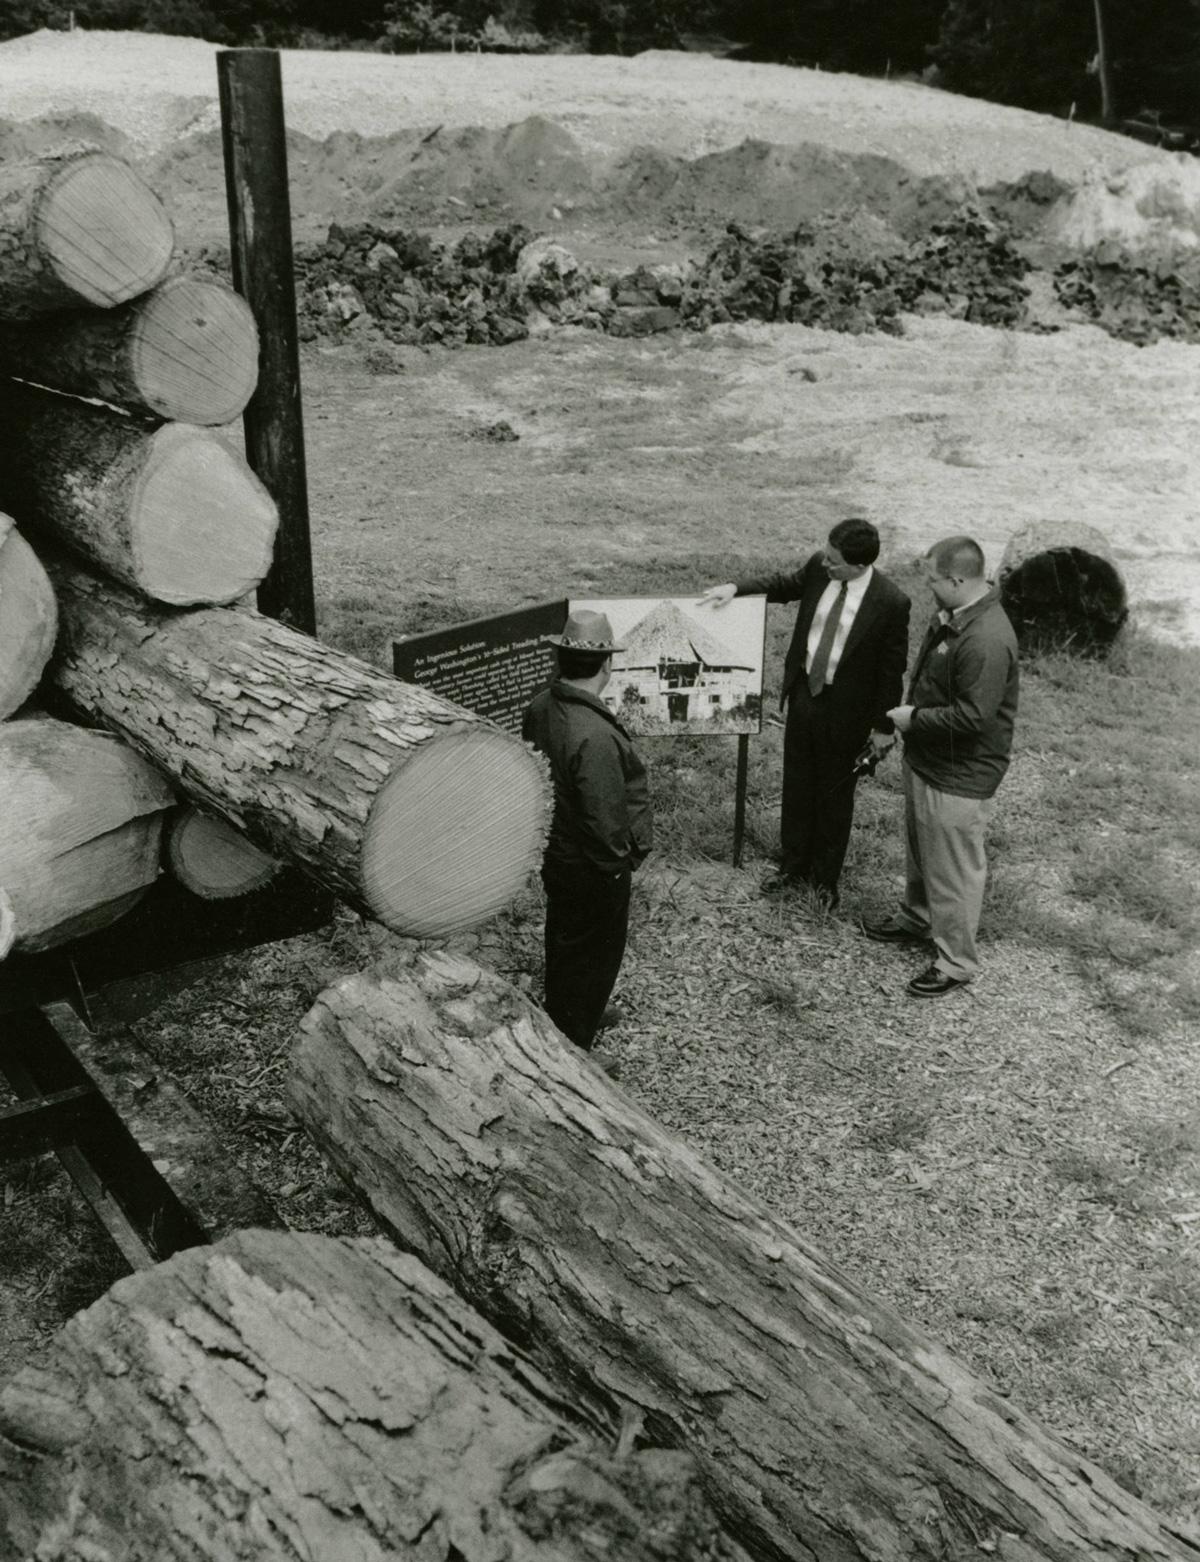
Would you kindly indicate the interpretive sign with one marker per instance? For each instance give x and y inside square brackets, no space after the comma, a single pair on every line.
[685,667]
[493,666]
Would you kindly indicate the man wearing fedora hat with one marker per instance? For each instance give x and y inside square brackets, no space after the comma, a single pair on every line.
[600,830]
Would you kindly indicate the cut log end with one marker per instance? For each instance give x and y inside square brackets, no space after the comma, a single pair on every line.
[80,828]
[1061,588]
[28,619]
[453,835]
[195,351]
[202,525]
[212,860]
[103,231]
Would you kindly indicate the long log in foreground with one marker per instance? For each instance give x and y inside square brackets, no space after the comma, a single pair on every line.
[185,352]
[174,512]
[412,809]
[285,1396]
[79,227]
[80,825]
[28,618]
[827,1427]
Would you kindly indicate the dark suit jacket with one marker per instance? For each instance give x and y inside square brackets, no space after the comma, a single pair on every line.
[869,679]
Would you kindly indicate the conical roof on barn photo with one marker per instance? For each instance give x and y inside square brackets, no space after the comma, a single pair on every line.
[667,634]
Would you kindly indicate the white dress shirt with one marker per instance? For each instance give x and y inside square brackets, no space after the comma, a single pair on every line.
[856,590]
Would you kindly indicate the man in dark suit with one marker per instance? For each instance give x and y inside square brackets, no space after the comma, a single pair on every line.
[843,672]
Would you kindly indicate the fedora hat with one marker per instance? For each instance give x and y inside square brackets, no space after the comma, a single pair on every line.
[586,631]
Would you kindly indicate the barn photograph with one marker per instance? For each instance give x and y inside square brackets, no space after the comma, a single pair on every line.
[684,667]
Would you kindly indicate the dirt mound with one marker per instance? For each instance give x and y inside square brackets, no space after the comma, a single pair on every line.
[1152,208]
[533,172]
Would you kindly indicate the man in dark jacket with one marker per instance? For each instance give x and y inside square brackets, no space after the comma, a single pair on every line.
[843,670]
[958,731]
[600,831]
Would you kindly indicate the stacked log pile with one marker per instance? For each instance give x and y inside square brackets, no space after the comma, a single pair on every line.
[119,481]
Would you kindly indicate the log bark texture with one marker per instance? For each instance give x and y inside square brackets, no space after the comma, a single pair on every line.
[1062,587]
[28,618]
[80,825]
[413,810]
[78,227]
[826,1426]
[302,1397]
[210,857]
[186,352]
[174,512]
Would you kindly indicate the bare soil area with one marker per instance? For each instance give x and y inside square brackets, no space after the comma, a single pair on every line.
[750,439]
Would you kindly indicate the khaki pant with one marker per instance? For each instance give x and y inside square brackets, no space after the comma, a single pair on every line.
[946,871]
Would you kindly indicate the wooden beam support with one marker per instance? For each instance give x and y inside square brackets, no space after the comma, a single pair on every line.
[260,229]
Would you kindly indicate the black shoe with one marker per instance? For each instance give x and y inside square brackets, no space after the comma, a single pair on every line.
[889,931]
[932,983]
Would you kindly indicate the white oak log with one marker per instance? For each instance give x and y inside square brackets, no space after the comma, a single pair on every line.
[175,512]
[186,352]
[287,1396]
[1061,586]
[80,825]
[28,618]
[78,227]
[827,1427]
[211,859]
[413,810]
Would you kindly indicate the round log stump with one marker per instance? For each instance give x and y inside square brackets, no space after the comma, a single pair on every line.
[1061,587]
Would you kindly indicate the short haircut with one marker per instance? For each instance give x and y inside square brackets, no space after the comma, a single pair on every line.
[580,664]
[856,540]
[957,556]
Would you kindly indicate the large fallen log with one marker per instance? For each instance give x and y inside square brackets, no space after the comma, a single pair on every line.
[413,810]
[827,1427]
[80,227]
[1062,588]
[297,1396]
[175,512]
[28,618]
[185,352]
[80,825]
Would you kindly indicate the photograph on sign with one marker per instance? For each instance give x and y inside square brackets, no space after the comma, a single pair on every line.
[685,668]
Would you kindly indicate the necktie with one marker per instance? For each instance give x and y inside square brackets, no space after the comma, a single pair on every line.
[820,661]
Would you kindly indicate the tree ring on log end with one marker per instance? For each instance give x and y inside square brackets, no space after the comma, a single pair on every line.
[452,834]
[202,525]
[194,354]
[213,860]
[102,230]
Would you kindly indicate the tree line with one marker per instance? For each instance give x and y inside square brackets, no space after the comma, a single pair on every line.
[1104,60]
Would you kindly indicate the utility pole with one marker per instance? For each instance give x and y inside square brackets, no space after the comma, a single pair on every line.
[1104,66]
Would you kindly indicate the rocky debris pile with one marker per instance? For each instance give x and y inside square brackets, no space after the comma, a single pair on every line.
[412,289]
[400,287]
[967,267]
[1138,298]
